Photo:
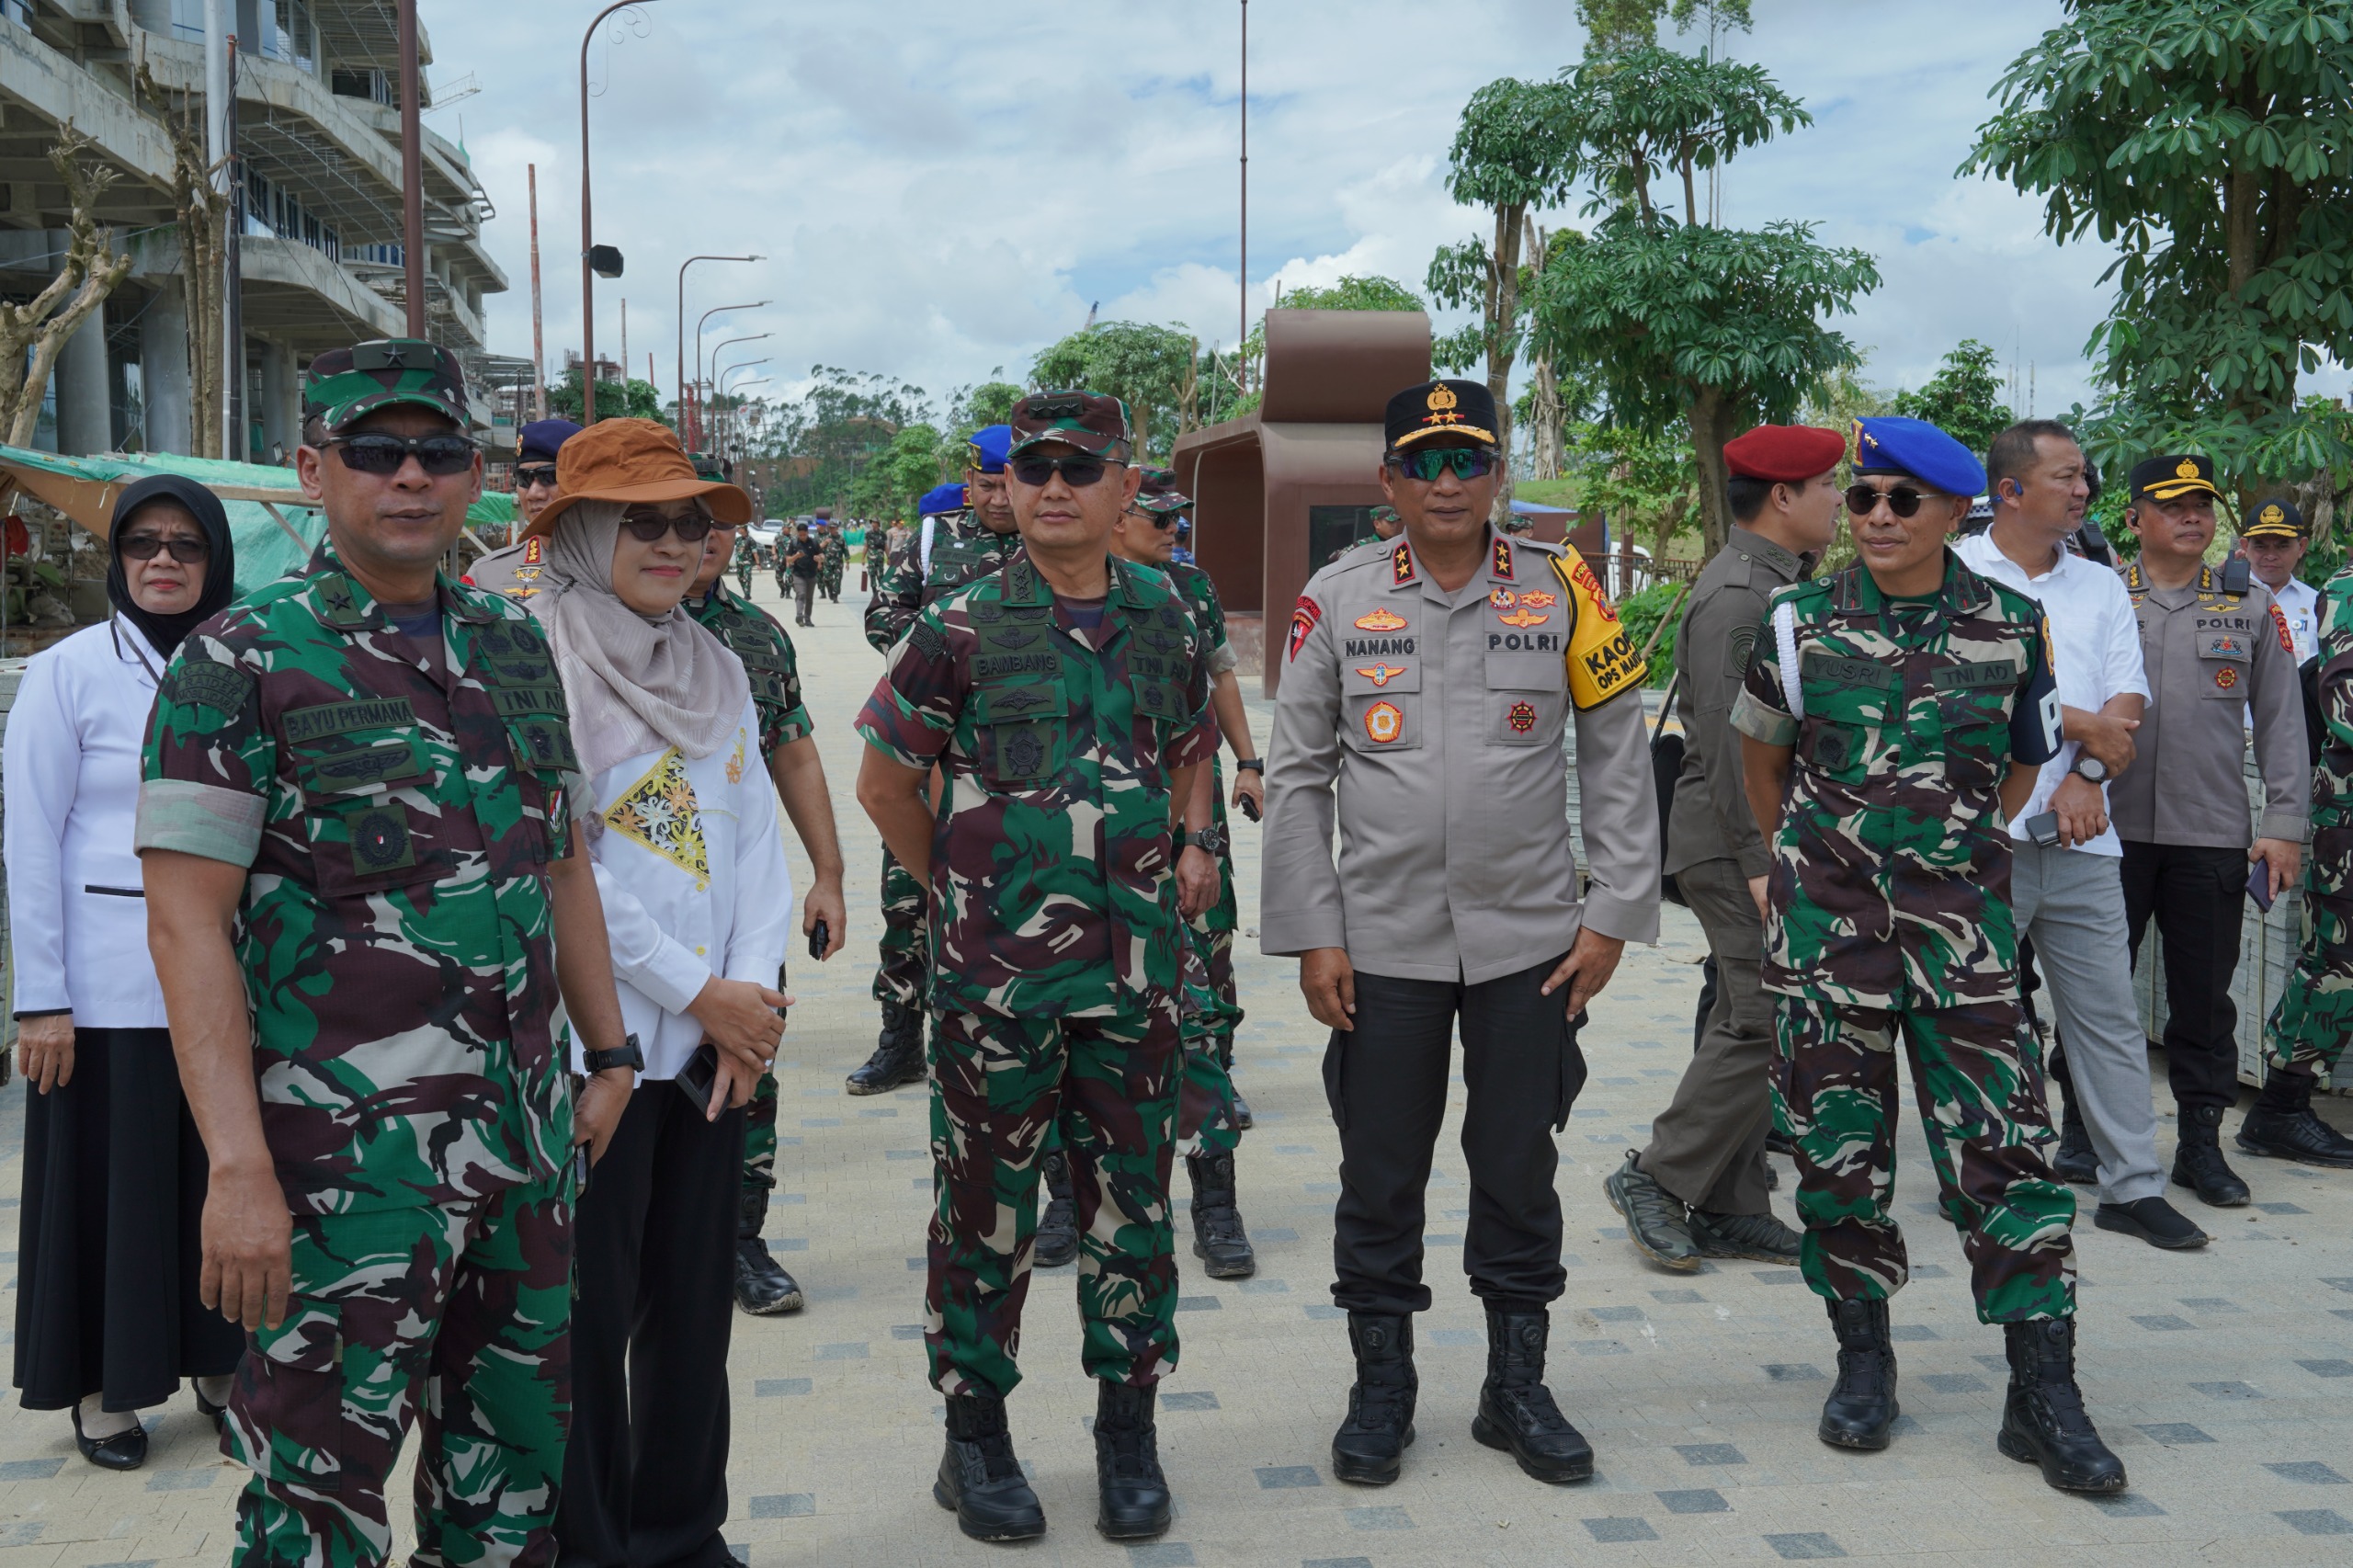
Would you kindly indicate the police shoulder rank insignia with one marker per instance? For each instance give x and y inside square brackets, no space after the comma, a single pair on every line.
[1303,621]
[1381,620]
[1503,559]
[224,688]
[533,548]
[1383,723]
[1401,563]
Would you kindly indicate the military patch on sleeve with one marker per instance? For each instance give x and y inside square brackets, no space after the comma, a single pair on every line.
[1738,649]
[927,639]
[1303,621]
[205,683]
[1602,659]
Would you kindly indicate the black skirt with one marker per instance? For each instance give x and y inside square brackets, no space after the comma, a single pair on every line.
[110,1234]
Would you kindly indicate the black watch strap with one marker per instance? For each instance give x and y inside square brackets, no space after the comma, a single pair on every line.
[629,1053]
[1254,764]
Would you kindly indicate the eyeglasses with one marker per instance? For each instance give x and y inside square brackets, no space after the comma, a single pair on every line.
[1078,472]
[1468,462]
[647,527]
[146,547]
[439,455]
[536,475]
[1904,501]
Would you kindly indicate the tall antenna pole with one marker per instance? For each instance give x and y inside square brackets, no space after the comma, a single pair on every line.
[1245,329]
[539,342]
[411,171]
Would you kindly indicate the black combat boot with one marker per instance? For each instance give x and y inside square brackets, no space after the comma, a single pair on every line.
[2043,1420]
[898,1053]
[1861,1408]
[1243,1120]
[2282,1124]
[1370,1448]
[1516,1410]
[762,1286]
[2197,1162]
[1136,1505]
[1219,1239]
[980,1478]
[1057,1239]
[2076,1160]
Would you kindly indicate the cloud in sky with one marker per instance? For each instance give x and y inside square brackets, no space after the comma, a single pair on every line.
[942,191]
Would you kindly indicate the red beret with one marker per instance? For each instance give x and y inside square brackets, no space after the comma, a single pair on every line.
[1784,454]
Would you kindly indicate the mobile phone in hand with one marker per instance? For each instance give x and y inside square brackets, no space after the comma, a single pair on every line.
[1250,807]
[2258,885]
[697,1079]
[818,939]
[2044,829]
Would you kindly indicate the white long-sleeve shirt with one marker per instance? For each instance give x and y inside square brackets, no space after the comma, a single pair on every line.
[690,866]
[77,908]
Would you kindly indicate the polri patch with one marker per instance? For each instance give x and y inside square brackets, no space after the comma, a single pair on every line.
[1383,723]
[1303,621]
[1522,717]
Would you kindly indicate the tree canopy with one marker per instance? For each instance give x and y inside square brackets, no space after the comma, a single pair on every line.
[1150,368]
[1963,399]
[639,400]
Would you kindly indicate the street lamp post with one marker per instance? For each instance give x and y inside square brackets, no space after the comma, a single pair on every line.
[757,337]
[683,417]
[714,311]
[719,393]
[587,241]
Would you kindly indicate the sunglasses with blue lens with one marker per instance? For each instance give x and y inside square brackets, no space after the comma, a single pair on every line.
[1468,462]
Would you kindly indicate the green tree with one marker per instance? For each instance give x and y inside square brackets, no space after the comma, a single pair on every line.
[1354,293]
[1640,480]
[977,408]
[899,475]
[1674,318]
[639,399]
[1148,367]
[1963,398]
[2211,143]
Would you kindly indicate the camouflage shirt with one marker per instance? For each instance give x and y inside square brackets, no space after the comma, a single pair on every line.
[962,548]
[767,658]
[1209,614]
[1891,878]
[2333,780]
[1053,885]
[396,810]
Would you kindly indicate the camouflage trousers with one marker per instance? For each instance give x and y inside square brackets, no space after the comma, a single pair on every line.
[998,1086]
[759,1135]
[903,976]
[2315,1014]
[1205,1099]
[459,1316]
[1984,1109]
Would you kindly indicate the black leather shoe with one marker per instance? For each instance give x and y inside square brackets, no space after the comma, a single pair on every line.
[216,1414]
[1136,1505]
[2153,1220]
[2297,1135]
[1759,1237]
[898,1053]
[2077,1163]
[1242,1120]
[1516,1412]
[762,1286]
[978,1477]
[2043,1420]
[1656,1220]
[123,1450]
[1219,1239]
[1861,1409]
[2197,1162]
[1057,1239]
[1370,1448]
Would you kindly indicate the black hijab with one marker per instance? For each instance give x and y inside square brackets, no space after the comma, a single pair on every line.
[164,631]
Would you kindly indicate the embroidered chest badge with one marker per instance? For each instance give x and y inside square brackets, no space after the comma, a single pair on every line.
[2226,678]
[1380,674]
[1383,723]
[1512,610]
[1382,619]
[1303,621]
[1522,717]
[659,811]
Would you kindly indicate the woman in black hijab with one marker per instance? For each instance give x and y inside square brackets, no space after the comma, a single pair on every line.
[110,1237]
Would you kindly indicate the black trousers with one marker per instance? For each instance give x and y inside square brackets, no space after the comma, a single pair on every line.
[2199,897]
[1387,1083]
[645,1473]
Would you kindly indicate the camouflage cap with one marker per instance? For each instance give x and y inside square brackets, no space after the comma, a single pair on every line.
[344,384]
[1159,494]
[1089,421]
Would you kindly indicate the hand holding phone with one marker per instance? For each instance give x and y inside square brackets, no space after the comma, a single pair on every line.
[819,939]
[2044,829]
[2258,885]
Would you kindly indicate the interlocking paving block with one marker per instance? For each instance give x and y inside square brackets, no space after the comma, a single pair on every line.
[1294,1148]
[1278,1477]
[2130,1506]
[2306,1473]
[1199,1304]
[1319,1187]
[2173,1434]
[1927,1271]
[1161,1554]
[1698,1500]
[2344,1284]
[1994,1363]
[848,1350]
[183,1480]
[1273,1233]
[917,1265]
[1903,1425]
[1677,1298]
[776,1387]
[2328,1369]
[1619,1528]
[1323,1311]
[883,1111]
[1955,1383]
[2315,1521]
[2228,1391]
[1602,1347]
[1188,1399]
[1809,1544]
[1337,1562]
[1442,1238]
[2162,1322]
[906,1331]
[1617,1315]
[1456,1336]
[1794,1372]
[1377,1518]
[24,1532]
[790,1244]
[1265,1287]
[30,1469]
[785,1505]
[1911,1331]
[1709,1453]
[2211,1304]
[2282,1209]
[1776,1276]
[907,1153]
[820,1121]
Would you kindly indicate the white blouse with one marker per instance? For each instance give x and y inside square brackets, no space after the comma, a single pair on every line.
[690,865]
[77,905]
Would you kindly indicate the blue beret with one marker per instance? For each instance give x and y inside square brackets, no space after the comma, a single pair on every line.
[1914,447]
[942,498]
[985,449]
[541,437]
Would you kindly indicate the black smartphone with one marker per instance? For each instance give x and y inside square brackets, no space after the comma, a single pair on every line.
[2258,885]
[1250,807]
[700,1073]
[818,939]
[2044,829]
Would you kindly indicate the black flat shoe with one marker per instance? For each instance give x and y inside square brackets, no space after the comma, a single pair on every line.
[2153,1220]
[123,1450]
[216,1414]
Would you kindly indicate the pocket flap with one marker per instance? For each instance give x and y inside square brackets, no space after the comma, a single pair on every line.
[1035,699]
[2233,645]
[1525,672]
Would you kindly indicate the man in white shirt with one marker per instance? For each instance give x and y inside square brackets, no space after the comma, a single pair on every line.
[2274,543]
[2066,885]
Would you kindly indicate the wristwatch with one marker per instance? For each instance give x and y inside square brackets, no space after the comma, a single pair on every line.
[628,1054]
[1211,838]
[1251,764]
[2089,769]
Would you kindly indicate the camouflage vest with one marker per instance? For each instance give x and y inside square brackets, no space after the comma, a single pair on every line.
[2333,780]
[958,558]
[756,640]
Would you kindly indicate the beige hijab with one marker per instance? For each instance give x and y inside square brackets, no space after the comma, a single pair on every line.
[634,684]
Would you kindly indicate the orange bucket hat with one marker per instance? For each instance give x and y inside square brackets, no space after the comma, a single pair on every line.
[633,461]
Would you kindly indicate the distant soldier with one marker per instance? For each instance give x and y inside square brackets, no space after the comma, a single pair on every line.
[832,553]
[514,571]
[1896,717]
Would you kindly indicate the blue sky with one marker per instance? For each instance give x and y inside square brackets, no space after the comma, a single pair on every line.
[943,189]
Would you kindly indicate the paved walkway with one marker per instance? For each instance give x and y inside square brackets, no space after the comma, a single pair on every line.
[2221,1376]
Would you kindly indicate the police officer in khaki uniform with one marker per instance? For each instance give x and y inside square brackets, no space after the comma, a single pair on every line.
[1700,1190]
[514,571]
[1426,691]
[2216,652]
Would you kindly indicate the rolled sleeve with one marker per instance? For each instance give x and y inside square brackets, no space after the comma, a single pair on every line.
[210,765]
[198,818]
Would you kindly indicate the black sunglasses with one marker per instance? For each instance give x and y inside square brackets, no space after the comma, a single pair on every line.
[146,547]
[647,528]
[378,454]
[1904,501]
[1078,472]
[537,475]
[1468,462]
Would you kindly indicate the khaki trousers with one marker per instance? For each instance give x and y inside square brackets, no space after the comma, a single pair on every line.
[1708,1146]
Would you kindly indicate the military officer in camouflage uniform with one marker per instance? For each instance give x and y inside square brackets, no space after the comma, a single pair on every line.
[2314,1018]
[762,1286]
[358,773]
[952,546]
[1066,696]
[1894,717]
[834,554]
[514,571]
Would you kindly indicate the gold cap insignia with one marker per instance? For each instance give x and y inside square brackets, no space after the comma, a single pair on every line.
[2272,514]
[1442,398]
[2187,469]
